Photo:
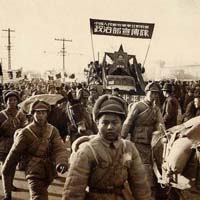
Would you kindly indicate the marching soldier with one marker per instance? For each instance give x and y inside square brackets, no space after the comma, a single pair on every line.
[11,119]
[81,94]
[109,166]
[143,119]
[43,151]
[170,106]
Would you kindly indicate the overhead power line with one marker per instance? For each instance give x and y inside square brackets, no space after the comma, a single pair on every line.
[63,49]
[9,47]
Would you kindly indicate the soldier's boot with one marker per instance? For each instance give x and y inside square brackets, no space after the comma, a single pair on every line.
[7,197]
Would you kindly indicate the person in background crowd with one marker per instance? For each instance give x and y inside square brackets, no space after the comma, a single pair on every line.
[58,89]
[28,90]
[62,90]
[21,92]
[82,94]
[115,92]
[66,88]
[39,90]
[12,86]
[143,119]
[92,98]
[170,106]
[193,109]
[110,166]
[51,89]
[43,150]
[79,95]
[72,90]
[189,97]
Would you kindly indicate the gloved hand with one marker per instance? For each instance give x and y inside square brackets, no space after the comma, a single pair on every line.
[61,168]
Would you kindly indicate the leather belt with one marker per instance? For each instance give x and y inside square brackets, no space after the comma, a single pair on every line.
[110,190]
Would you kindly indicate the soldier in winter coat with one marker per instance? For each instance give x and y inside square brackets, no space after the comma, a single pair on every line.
[143,119]
[11,119]
[170,106]
[42,149]
[108,166]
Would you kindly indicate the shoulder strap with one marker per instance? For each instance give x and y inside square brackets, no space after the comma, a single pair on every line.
[49,131]
[124,146]
[93,152]
[32,132]
[5,114]
[18,114]
[86,140]
[40,146]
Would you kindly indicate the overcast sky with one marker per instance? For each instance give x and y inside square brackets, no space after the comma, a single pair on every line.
[176,38]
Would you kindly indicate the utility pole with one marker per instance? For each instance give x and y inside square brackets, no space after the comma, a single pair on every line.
[9,47]
[63,50]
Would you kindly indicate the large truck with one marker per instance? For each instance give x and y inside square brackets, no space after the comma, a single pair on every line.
[117,70]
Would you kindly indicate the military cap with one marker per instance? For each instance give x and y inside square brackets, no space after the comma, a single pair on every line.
[152,86]
[10,93]
[39,105]
[109,104]
[167,87]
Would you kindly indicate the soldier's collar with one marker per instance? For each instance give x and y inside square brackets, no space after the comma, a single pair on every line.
[11,111]
[107,143]
[149,103]
[37,129]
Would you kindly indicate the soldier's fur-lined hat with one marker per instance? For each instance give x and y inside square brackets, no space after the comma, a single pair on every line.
[152,86]
[39,105]
[10,93]
[109,104]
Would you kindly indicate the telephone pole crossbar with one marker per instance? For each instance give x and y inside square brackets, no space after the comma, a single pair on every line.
[9,47]
[63,49]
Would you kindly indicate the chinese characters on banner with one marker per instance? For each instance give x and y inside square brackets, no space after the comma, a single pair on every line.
[120,28]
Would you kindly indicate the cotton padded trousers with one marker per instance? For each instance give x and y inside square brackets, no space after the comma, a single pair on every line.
[38,189]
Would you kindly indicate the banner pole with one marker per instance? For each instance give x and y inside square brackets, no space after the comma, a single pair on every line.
[147,52]
[92,43]
[92,46]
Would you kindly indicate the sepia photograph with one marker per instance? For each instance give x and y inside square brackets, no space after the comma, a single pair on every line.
[99,100]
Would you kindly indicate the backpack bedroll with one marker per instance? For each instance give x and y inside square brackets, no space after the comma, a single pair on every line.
[171,151]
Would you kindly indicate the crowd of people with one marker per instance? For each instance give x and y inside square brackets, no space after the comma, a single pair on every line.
[112,161]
